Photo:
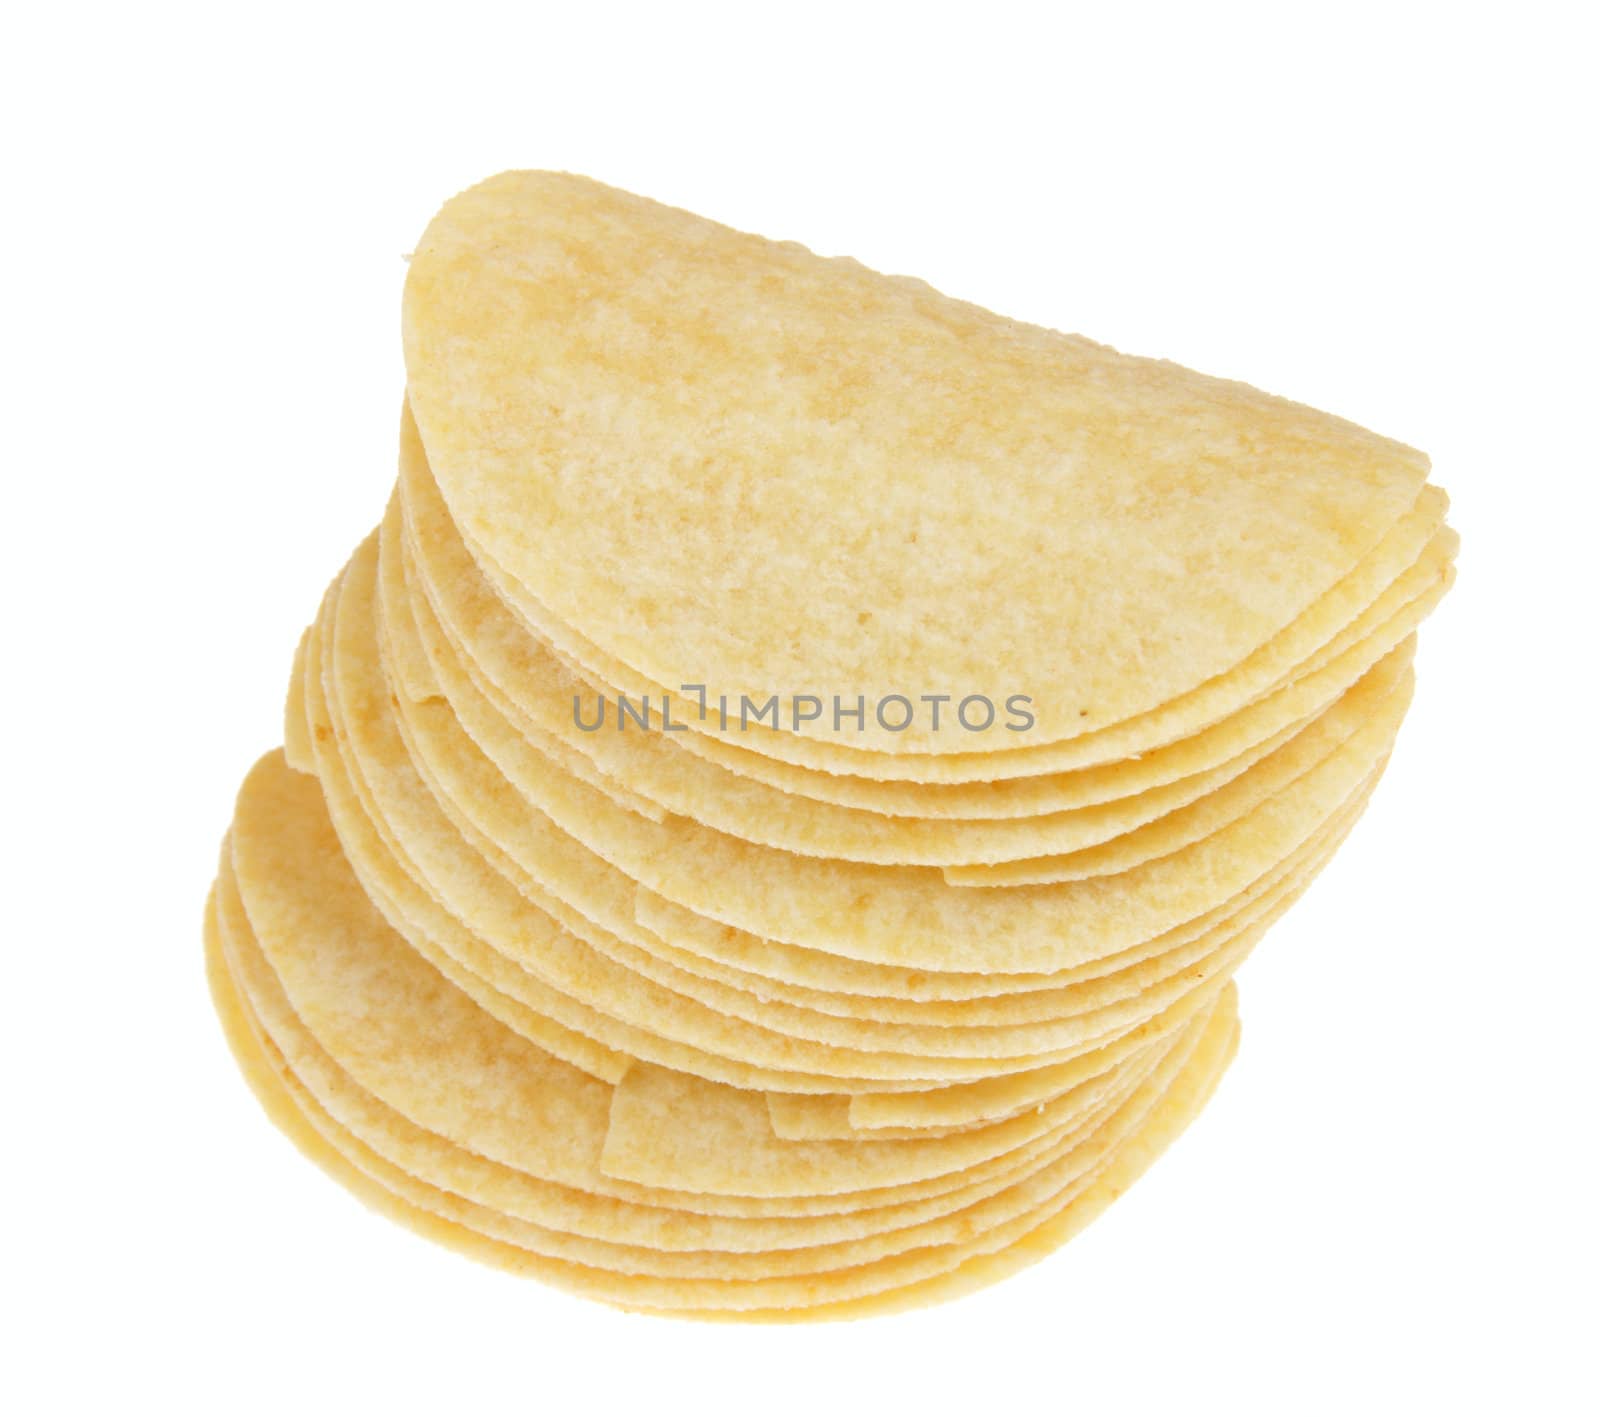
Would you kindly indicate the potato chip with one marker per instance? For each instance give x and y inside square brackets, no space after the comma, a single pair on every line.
[890,515]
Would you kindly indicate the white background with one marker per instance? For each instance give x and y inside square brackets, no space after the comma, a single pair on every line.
[1386,213]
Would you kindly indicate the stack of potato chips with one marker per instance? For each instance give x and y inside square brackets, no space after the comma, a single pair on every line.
[768,823]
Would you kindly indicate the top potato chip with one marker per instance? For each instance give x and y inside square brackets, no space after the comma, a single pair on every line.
[728,462]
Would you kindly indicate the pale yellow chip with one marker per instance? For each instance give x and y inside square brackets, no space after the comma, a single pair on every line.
[889,515]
